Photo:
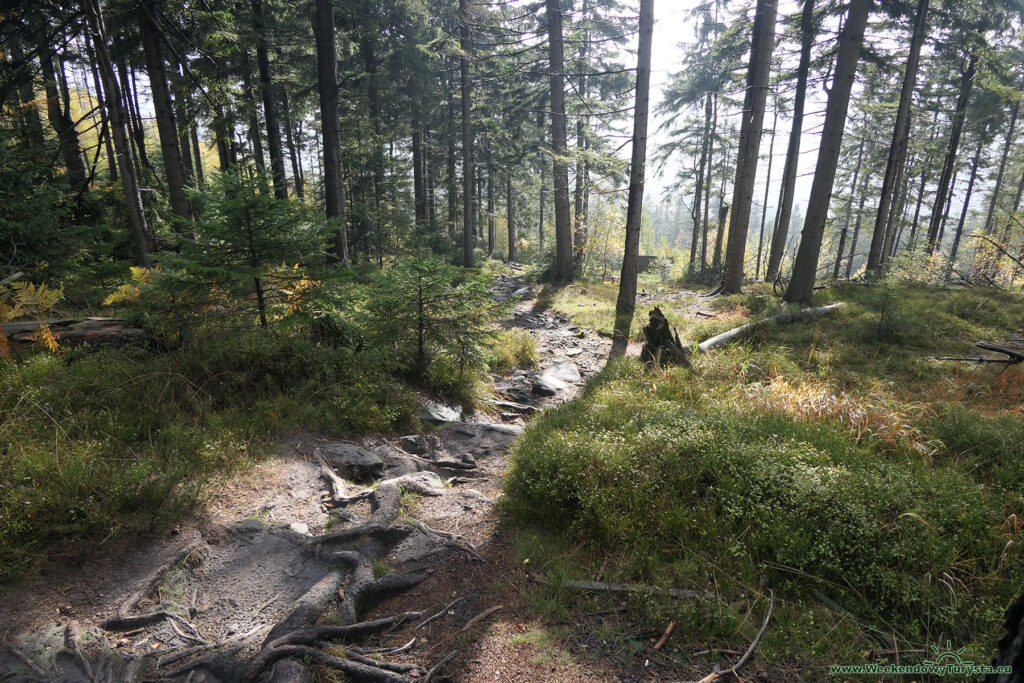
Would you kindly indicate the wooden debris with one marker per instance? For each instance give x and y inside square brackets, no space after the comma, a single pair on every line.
[631,588]
[1012,356]
[779,319]
[116,331]
[717,672]
[664,636]
[480,617]
[437,667]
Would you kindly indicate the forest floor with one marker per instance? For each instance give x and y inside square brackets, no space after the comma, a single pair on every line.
[425,521]
[231,574]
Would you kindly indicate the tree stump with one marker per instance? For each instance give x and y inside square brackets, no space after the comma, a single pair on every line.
[662,345]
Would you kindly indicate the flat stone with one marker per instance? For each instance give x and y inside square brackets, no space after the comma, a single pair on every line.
[247,526]
[432,411]
[353,462]
[522,291]
[566,372]
[548,386]
[573,352]
[506,429]
[418,444]
[299,528]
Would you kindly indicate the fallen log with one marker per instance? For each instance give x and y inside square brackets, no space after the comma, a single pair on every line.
[113,331]
[630,588]
[1012,356]
[778,319]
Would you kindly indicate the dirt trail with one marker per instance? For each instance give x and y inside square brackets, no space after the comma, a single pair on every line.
[382,534]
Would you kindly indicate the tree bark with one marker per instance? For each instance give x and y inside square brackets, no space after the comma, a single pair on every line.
[59,117]
[490,201]
[801,285]
[625,304]
[849,211]
[579,216]
[788,190]
[966,84]
[761,47]
[167,127]
[963,212]
[510,217]
[327,86]
[699,192]
[101,99]
[708,179]
[898,147]
[1002,167]
[467,139]
[119,131]
[419,185]
[289,138]
[559,165]
[767,186]
[269,96]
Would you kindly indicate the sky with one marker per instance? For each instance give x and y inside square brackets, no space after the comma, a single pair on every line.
[672,28]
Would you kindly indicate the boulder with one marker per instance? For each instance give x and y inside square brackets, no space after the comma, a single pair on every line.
[432,411]
[353,462]
[565,372]
[548,386]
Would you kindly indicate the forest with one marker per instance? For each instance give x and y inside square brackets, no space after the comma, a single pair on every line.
[506,340]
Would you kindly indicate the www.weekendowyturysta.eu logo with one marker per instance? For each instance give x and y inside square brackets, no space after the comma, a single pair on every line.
[945,661]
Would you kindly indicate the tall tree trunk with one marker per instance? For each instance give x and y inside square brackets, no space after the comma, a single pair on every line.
[900,136]
[540,222]
[166,125]
[327,86]
[699,192]
[805,268]
[761,47]
[559,165]
[625,304]
[467,139]
[452,186]
[419,184]
[767,186]
[579,215]
[431,203]
[135,114]
[32,126]
[966,84]
[895,213]
[949,206]
[101,99]
[989,225]
[59,117]
[255,136]
[129,182]
[269,95]
[788,190]
[963,213]
[708,180]
[721,228]
[849,211]
[490,201]
[289,138]
[510,217]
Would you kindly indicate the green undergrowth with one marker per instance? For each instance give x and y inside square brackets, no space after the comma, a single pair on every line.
[112,441]
[871,487]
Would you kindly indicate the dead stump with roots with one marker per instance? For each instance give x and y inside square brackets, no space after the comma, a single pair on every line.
[662,345]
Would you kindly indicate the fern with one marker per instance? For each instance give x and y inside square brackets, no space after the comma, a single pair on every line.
[130,292]
[19,299]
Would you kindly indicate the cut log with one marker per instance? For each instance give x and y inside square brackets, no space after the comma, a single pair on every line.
[779,319]
[662,347]
[113,331]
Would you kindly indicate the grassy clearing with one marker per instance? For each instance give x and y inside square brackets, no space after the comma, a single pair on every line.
[870,486]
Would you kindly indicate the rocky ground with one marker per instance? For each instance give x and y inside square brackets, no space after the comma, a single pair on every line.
[391,545]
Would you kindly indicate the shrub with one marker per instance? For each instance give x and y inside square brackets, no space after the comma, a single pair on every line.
[511,349]
[432,320]
[645,465]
